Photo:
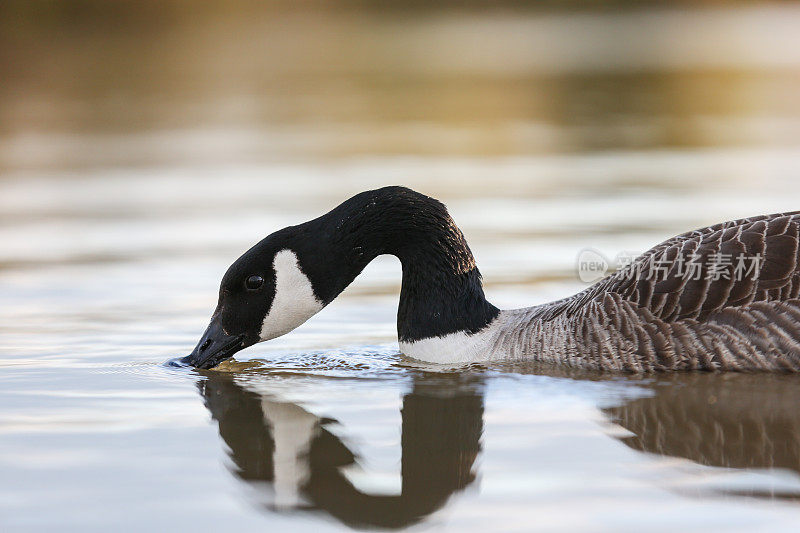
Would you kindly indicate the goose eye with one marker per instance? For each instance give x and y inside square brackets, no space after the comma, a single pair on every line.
[254,283]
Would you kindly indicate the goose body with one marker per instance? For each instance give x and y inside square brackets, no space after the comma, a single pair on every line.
[718,298]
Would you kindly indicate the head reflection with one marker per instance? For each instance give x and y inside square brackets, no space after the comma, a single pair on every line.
[732,421]
[291,449]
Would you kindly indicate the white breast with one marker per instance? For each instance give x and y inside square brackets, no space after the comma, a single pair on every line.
[460,347]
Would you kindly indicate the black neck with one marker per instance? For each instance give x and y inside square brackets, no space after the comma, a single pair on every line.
[441,291]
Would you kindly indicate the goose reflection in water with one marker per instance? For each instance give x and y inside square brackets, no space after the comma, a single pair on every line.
[744,421]
[290,448]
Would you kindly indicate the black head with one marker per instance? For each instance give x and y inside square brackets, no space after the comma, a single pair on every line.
[263,295]
[292,274]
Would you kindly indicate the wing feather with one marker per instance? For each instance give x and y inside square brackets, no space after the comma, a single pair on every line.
[705,271]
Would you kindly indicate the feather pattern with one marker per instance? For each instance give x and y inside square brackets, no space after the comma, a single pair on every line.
[680,306]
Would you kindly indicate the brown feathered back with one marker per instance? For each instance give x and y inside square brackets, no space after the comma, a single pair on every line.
[719,298]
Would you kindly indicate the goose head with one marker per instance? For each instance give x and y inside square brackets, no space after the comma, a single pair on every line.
[292,274]
[264,294]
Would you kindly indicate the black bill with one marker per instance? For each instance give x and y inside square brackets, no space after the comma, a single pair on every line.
[214,347]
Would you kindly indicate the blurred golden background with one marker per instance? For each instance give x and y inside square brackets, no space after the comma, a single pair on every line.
[89,83]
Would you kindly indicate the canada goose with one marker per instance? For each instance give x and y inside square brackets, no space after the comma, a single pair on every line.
[718,298]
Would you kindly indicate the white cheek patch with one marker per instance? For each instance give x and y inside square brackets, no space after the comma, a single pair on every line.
[294,301]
